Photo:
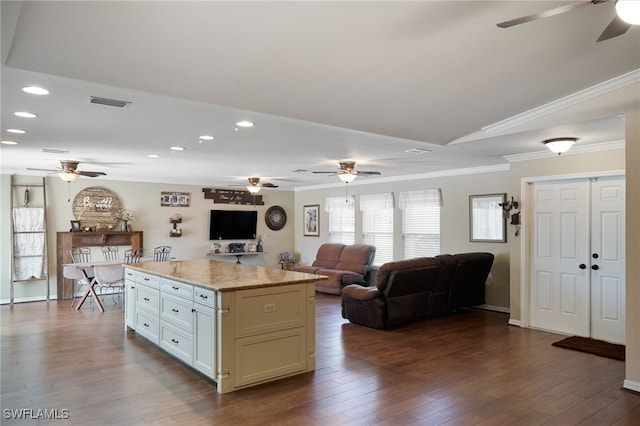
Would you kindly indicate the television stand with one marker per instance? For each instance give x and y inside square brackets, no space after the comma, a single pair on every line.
[238,255]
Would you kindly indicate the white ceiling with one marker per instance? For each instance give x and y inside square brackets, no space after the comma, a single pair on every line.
[323,81]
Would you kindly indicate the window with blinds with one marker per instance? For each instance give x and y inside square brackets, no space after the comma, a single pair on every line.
[377,225]
[341,219]
[420,223]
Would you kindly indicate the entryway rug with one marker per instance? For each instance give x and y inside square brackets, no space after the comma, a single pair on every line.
[592,346]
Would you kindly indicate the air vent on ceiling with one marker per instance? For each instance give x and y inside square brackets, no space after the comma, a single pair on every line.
[54,151]
[108,102]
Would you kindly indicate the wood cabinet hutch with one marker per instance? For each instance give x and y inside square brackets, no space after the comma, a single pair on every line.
[68,240]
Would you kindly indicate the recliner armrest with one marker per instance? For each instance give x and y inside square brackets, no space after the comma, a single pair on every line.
[358,292]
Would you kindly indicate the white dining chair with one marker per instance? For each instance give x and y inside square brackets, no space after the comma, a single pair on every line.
[71,272]
[80,255]
[110,252]
[161,253]
[110,277]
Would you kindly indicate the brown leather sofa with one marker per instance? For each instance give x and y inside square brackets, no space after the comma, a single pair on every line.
[407,290]
[343,264]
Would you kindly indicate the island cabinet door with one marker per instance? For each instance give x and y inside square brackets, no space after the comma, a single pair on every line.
[130,303]
[204,327]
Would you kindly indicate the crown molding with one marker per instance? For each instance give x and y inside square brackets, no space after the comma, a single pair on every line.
[597,147]
[562,103]
[404,178]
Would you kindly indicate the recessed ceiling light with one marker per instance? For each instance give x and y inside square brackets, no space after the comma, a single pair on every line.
[244,123]
[9,142]
[153,156]
[177,148]
[35,90]
[416,151]
[25,114]
[16,131]
[206,138]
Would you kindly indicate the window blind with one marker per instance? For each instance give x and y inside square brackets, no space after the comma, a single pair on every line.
[377,225]
[341,219]
[421,222]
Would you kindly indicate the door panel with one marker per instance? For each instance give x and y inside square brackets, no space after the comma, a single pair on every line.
[559,288]
[607,246]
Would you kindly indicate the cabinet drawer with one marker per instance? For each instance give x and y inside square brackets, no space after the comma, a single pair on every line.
[147,299]
[264,310]
[177,342]
[148,279]
[177,288]
[148,326]
[177,311]
[204,296]
[130,274]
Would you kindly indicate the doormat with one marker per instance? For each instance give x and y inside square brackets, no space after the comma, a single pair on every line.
[592,346]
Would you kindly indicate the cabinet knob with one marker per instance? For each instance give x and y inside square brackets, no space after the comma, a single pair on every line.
[595,267]
[582,266]
[174,310]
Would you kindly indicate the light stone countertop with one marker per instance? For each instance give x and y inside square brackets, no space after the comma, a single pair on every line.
[223,276]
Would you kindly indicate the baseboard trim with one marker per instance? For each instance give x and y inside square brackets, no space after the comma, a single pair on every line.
[28,299]
[633,386]
[494,308]
[515,322]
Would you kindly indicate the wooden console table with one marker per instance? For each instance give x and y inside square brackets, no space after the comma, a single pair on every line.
[68,240]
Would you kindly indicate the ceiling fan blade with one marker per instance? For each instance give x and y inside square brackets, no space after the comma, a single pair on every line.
[325,172]
[268,185]
[616,28]
[547,13]
[358,172]
[44,170]
[90,174]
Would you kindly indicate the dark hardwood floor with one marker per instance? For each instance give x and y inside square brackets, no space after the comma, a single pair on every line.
[470,368]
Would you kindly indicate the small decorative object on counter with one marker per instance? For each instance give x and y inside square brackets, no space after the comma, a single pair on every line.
[126,216]
[259,246]
[175,219]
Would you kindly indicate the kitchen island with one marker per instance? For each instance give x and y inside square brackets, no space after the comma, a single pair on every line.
[240,325]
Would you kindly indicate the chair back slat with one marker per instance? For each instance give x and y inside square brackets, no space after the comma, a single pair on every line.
[80,254]
[110,253]
[133,256]
[161,253]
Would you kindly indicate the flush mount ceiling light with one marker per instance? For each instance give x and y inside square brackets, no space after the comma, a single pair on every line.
[244,123]
[206,138]
[153,156]
[9,143]
[24,114]
[629,11]
[177,148]
[17,131]
[559,145]
[35,90]
[416,151]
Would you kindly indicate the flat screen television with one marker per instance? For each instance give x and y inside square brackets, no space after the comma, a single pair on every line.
[233,224]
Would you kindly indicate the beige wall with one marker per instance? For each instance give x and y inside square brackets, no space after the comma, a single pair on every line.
[454,219]
[153,220]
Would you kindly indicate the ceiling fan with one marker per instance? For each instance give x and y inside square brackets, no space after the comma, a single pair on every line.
[69,171]
[254,185]
[348,174]
[628,14]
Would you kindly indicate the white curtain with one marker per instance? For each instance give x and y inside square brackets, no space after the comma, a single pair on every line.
[420,198]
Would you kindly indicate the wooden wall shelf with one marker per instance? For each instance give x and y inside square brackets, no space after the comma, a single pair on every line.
[68,240]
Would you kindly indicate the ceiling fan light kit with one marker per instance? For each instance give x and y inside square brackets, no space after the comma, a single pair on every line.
[68,176]
[347,177]
[629,11]
[559,145]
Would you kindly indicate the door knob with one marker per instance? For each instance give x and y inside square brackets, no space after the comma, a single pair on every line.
[595,267]
[582,266]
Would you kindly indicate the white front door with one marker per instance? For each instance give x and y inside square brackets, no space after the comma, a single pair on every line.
[607,260]
[559,296]
[577,270]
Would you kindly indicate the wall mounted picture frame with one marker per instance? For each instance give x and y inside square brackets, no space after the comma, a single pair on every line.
[175,199]
[311,220]
[486,219]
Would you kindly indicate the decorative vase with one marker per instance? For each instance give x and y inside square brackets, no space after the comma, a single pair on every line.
[259,246]
[122,224]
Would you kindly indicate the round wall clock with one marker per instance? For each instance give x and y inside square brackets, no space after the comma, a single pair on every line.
[275,218]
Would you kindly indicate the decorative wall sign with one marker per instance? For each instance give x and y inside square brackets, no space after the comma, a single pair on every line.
[232,196]
[275,218]
[311,218]
[97,208]
[175,199]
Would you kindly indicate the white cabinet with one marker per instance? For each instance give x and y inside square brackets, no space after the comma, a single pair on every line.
[204,328]
[129,299]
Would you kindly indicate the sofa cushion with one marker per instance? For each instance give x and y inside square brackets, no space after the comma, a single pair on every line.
[382,278]
[328,255]
[356,258]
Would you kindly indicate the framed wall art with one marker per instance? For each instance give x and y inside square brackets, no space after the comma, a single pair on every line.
[486,220]
[311,217]
[175,199]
